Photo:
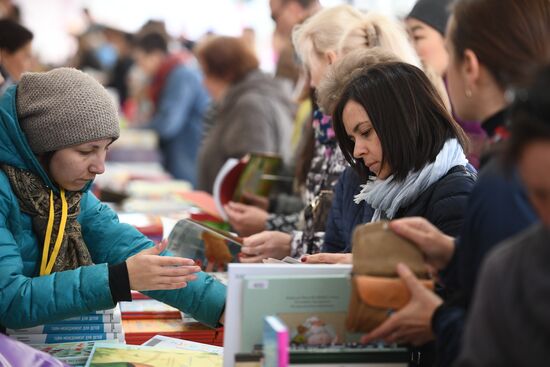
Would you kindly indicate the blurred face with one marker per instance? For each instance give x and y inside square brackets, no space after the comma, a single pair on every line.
[317,69]
[216,87]
[285,15]
[18,62]
[429,45]
[149,63]
[367,145]
[534,167]
[72,168]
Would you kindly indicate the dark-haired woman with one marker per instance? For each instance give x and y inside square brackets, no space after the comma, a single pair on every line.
[405,151]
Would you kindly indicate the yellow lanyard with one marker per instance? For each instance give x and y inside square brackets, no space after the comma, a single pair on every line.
[47,266]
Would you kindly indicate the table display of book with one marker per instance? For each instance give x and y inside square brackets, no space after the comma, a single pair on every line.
[100,325]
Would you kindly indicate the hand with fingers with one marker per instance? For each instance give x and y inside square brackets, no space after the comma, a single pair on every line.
[437,247]
[266,244]
[328,258]
[148,270]
[256,200]
[246,219]
[411,324]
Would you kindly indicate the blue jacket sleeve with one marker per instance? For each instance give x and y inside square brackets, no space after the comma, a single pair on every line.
[113,242]
[181,94]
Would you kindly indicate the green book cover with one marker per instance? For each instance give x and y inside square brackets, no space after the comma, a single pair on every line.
[313,307]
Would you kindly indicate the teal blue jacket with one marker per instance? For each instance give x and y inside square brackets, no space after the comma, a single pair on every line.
[27,299]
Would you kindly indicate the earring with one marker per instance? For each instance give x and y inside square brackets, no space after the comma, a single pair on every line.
[468,93]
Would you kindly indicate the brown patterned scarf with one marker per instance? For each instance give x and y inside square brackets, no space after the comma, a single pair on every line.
[34,199]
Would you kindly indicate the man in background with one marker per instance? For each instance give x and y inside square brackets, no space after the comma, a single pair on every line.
[179,101]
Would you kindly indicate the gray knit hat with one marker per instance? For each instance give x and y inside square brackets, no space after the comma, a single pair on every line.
[62,108]
[434,13]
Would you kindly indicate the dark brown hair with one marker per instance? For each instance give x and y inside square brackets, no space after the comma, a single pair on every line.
[530,115]
[13,36]
[509,37]
[152,42]
[226,58]
[406,112]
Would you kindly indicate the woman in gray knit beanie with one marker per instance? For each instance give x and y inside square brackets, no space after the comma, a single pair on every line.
[62,252]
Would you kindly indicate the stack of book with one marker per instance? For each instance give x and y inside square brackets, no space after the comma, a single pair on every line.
[100,325]
[143,318]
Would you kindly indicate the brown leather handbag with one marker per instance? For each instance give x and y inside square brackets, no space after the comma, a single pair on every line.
[377,289]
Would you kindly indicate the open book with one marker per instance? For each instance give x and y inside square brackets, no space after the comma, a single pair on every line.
[208,246]
[255,173]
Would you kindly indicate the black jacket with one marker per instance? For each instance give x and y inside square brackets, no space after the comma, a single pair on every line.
[498,209]
[443,204]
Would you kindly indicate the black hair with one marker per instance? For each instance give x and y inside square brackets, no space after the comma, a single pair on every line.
[529,115]
[152,42]
[13,36]
[406,112]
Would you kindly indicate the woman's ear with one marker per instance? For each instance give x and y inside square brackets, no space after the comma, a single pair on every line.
[471,69]
[330,57]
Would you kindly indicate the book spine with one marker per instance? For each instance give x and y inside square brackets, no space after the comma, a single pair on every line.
[282,348]
[68,329]
[65,338]
[92,319]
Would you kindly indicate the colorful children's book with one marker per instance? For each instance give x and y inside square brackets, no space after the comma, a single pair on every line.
[174,343]
[212,248]
[313,307]
[275,342]
[134,355]
[74,354]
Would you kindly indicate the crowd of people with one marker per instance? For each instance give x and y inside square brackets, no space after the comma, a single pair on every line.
[439,124]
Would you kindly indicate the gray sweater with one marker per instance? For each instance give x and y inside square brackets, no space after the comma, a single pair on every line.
[509,323]
[254,116]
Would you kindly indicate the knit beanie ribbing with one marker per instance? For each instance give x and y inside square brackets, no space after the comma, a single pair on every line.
[62,108]
[434,13]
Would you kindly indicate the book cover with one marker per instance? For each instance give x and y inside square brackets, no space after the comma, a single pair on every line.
[255,173]
[174,343]
[313,307]
[134,355]
[63,338]
[226,182]
[74,354]
[275,342]
[139,331]
[69,328]
[210,247]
